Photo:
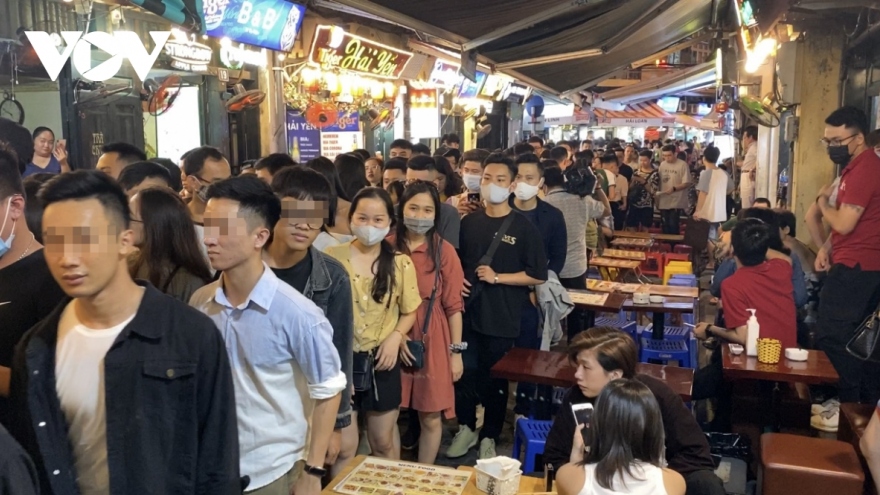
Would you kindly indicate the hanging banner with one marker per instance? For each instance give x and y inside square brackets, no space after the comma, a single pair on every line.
[345,122]
[303,139]
[337,143]
[333,48]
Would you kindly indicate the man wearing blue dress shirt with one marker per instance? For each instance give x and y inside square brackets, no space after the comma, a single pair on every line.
[284,366]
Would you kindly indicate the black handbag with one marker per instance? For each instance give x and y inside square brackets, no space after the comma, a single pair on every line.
[362,371]
[863,345]
[486,260]
[417,347]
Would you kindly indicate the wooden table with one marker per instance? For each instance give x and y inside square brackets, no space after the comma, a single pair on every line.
[527,484]
[612,303]
[624,254]
[816,370]
[648,235]
[553,368]
[674,305]
[656,290]
[632,242]
[603,262]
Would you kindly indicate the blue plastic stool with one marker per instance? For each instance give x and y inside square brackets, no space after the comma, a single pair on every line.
[678,334]
[681,282]
[687,276]
[666,350]
[533,434]
[629,327]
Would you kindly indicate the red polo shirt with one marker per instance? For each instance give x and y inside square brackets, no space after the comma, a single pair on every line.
[767,289]
[860,186]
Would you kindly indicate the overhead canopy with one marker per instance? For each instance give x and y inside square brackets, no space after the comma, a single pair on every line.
[646,114]
[668,85]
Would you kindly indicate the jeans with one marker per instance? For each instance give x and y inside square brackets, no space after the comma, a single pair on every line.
[671,220]
[529,393]
[848,296]
[576,319]
[703,482]
[477,386]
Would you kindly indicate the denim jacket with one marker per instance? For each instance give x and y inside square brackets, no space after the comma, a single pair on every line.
[170,405]
[330,289]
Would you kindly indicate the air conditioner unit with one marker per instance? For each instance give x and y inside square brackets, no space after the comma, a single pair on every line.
[682,106]
[693,109]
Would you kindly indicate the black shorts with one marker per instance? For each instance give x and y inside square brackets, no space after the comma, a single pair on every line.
[640,217]
[386,386]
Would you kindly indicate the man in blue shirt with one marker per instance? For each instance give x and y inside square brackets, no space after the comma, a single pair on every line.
[284,366]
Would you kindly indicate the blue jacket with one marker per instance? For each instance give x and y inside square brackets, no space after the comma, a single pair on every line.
[551,223]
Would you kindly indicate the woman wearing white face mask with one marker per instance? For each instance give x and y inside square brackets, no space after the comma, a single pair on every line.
[385,296]
[429,389]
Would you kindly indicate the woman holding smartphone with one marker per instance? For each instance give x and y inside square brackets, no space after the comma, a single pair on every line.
[50,156]
[385,297]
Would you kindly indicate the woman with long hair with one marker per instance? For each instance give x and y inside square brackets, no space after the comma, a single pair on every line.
[352,173]
[449,182]
[50,156]
[385,297]
[429,390]
[626,447]
[336,230]
[169,256]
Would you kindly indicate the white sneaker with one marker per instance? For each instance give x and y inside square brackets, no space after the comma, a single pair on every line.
[826,421]
[487,448]
[825,406]
[464,440]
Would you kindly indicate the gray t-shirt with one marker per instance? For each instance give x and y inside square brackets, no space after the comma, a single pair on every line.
[577,211]
[673,174]
[706,179]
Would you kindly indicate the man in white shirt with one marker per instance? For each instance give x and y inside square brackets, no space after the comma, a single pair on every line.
[675,178]
[749,165]
[285,367]
[611,163]
[712,189]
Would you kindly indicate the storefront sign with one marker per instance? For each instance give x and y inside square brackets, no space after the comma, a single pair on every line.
[345,122]
[119,46]
[188,55]
[636,122]
[515,93]
[337,143]
[470,89]
[271,24]
[235,57]
[445,74]
[303,139]
[493,86]
[333,48]
[424,114]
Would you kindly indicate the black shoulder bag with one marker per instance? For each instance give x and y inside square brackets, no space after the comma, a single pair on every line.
[486,260]
[863,345]
[417,347]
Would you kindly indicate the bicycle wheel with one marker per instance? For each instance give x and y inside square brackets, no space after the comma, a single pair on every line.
[12,110]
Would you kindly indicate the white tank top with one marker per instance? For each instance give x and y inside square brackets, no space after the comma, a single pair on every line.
[648,481]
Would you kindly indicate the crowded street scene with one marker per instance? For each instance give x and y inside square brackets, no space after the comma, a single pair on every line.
[459,247]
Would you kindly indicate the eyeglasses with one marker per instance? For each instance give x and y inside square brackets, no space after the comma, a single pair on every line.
[836,142]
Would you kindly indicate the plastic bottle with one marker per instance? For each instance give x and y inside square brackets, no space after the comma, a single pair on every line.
[754,331]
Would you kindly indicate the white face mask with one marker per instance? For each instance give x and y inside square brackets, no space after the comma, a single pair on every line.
[6,245]
[525,192]
[369,235]
[495,194]
[472,181]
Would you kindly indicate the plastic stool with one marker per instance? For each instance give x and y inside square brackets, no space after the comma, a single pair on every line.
[653,265]
[533,434]
[675,268]
[630,327]
[681,282]
[681,334]
[666,350]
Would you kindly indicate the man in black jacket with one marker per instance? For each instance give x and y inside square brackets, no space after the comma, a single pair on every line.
[605,354]
[121,389]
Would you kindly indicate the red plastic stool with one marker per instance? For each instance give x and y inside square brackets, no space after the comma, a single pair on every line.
[653,265]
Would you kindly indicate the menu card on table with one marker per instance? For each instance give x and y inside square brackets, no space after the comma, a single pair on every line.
[588,299]
[375,476]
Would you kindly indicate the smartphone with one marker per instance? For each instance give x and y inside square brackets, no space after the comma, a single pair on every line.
[473,197]
[582,414]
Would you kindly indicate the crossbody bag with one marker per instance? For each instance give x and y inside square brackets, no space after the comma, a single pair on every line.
[486,260]
[417,347]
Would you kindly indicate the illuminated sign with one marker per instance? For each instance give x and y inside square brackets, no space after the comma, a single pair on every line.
[271,24]
[515,92]
[746,14]
[470,89]
[445,74]
[234,57]
[189,56]
[120,46]
[333,48]
[493,86]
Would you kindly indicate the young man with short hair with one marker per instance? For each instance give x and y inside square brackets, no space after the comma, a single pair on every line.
[141,175]
[401,148]
[269,165]
[762,203]
[561,156]
[393,171]
[448,222]
[420,149]
[499,291]
[645,184]
[471,175]
[116,156]
[712,189]
[586,145]
[119,372]
[285,366]
[202,167]
[537,144]
[611,164]
[672,199]
[453,141]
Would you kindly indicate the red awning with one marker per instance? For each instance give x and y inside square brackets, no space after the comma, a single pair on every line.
[645,114]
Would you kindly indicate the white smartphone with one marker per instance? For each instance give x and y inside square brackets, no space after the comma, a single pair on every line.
[582,414]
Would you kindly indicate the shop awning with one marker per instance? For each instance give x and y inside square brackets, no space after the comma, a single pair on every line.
[671,84]
[646,114]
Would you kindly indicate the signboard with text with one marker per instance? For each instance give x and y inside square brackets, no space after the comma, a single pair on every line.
[337,143]
[470,89]
[271,24]
[444,74]
[333,48]
[303,139]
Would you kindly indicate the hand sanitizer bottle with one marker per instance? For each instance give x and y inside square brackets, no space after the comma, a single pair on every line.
[754,330]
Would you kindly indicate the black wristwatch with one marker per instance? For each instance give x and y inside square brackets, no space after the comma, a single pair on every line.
[315,471]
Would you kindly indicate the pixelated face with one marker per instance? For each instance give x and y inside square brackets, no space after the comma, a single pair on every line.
[229,239]
[85,246]
[300,223]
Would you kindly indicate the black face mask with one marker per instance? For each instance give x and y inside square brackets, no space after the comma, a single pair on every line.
[839,154]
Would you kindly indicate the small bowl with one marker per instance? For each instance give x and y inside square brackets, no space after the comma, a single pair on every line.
[641,299]
[656,299]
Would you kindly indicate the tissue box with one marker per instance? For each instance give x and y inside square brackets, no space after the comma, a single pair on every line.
[498,476]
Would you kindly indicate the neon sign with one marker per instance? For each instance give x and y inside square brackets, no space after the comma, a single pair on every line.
[333,48]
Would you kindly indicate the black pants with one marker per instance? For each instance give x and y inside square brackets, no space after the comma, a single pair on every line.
[848,296]
[577,318]
[477,386]
[671,220]
[529,394]
[709,383]
[703,482]
[618,215]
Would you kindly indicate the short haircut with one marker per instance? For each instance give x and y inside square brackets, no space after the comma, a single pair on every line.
[173,171]
[849,117]
[19,142]
[522,149]
[128,153]
[274,162]
[787,220]
[421,149]
[33,210]
[552,174]
[751,131]
[711,154]
[587,141]
[532,158]
[363,153]
[138,172]
[751,240]
[10,177]
[615,349]
[647,154]
[498,158]
[303,184]
[474,155]
[196,158]
[453,138]
[609,158]
[584,155]
[559,153]
[617,149]
[422,163]
[395,164]
[763,201]
[536,139]
[669,148]
[254,197]
[81,185]
[402,144]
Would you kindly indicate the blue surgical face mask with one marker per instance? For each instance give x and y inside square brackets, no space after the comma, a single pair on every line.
[6,245]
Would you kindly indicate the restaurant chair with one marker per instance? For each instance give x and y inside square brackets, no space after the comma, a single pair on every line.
[854,419]
[793,464]
[655,230]
[665,350]
[531,434]
[630,327]
[653,265]
[683,280]
[683,249]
